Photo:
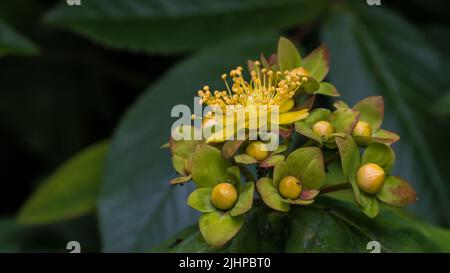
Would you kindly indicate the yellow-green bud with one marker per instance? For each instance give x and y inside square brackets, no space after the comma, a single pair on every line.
[257,150]
[224,196]
[370,178]
[323,128]
[290,187]
[362,129]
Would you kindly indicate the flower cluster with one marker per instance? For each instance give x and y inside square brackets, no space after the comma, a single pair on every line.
[228,172]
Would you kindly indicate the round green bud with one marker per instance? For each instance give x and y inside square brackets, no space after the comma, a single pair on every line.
[362,129]
[290,187]
[323,128]
[370,178]
[224,196]
[257,150]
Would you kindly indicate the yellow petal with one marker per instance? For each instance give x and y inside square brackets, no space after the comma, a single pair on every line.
[291,117]
[287,105]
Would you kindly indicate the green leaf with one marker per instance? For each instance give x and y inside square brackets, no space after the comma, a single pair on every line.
[12,42]
[200,199]
[386,136]
[245,200]
[271,161]
[397,192]
[230,148]
[368,204]
[270,195]
[234,177]
[316,115]
[218,228]
[380,154]
[350,157]
[334,175]
[180,164]
[71,191]
[371,110]
[344,120]
[392,65]
[327,89]
[138,208]
[304,129]
[209,168]
[333,224]
[288,55]
[317,63]
[156,23]
[307,165]
[442,107]
[245,159]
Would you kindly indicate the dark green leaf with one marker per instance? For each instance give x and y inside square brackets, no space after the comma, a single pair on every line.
[70,192]
[178,25]
[12,42]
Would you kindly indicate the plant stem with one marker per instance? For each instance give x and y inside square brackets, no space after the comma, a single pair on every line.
[337,187]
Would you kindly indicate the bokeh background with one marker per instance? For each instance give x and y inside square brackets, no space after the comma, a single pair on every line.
[109,71]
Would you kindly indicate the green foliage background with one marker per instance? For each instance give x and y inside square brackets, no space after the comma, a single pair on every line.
[72,76]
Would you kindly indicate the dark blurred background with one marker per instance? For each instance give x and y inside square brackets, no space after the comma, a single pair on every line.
[73,93]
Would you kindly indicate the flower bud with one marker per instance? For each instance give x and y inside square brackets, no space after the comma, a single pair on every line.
[290,187]
[362,129]
[323,128]
[370,178]
[257,150]
[224,196]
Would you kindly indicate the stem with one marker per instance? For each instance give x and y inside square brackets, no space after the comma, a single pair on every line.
[247,174]
[337,187]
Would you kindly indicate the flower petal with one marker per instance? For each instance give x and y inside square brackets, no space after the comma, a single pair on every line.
[291,117]
[270,195]
[200,200]
[372,111]
[397,192]
[217,228]
[287,105]
[245,200]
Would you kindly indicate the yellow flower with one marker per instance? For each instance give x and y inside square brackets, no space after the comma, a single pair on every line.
[273,89]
